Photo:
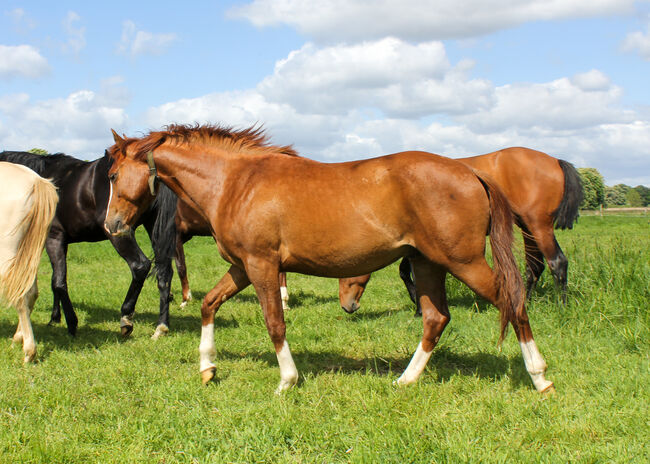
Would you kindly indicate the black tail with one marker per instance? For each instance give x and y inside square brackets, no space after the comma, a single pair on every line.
[567,213]
[163,236]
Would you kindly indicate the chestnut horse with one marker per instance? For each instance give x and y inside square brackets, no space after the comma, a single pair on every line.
[27,206]
[544,192]
[190,224]
[270,211]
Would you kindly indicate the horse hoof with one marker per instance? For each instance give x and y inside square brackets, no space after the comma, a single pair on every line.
[53,322]
[161,331]
[550,390]
[126,330]
[183,304]
[208,375]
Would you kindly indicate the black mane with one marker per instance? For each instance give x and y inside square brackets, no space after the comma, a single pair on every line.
[40,163]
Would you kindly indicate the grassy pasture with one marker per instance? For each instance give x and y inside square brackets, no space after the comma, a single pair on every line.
[98,398]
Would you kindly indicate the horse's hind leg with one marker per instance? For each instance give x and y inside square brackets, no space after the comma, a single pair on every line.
[430,292]
[534,262]
[557,262]
[57,249]
[230,284]
[24,308]
[480,278]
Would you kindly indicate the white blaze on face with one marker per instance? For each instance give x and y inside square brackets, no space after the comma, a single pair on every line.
[110,197]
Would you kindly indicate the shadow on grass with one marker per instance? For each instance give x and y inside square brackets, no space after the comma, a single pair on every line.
[443,365]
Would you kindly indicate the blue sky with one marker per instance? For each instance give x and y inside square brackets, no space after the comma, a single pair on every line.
[338,79]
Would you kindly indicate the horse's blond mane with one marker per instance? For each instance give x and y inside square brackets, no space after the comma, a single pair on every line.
[250,140]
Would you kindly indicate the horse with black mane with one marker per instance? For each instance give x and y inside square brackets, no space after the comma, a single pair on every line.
[84,191]
[271,211]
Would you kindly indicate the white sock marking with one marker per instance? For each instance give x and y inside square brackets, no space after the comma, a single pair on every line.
[415,367]
[535,365]
[288,371]
[206,348]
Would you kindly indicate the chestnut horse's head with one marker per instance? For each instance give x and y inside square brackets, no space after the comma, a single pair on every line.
[132,186]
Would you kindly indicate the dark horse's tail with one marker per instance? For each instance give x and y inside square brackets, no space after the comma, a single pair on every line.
[509,284]
[567,213]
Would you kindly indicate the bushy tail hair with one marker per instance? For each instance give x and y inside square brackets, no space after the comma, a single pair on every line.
[509,284]
[567,212]
[19,276]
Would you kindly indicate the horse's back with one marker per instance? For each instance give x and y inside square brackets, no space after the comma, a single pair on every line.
[530,179]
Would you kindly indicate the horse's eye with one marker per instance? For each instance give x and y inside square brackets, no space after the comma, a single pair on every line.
[112,176]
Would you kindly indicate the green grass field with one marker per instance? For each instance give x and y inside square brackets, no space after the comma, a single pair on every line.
[98,398]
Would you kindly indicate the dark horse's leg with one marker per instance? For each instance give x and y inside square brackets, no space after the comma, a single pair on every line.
[129,250]
[57,249]
[164,274]
[405,274]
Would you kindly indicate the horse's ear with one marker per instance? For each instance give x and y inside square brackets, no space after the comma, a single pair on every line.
[116,137]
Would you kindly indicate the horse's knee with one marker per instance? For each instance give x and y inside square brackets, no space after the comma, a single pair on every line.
[140,269]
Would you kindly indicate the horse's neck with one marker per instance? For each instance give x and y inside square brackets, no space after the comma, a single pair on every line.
[196,179]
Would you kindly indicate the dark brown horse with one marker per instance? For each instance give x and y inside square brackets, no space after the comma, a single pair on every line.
[270,211]
[544,192]
[190,224]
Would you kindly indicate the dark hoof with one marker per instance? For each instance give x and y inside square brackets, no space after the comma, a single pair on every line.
[54,322]
[126,330]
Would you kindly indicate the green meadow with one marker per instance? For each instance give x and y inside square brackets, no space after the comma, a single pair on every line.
[100,398]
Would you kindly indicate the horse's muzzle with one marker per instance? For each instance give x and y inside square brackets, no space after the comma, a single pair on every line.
[116,227]
[351,307]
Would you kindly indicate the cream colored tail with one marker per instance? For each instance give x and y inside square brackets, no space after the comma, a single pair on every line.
[21,273]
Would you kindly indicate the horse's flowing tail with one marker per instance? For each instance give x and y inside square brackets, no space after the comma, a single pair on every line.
[20,275]
[509,284]
[163,237]
[567,212]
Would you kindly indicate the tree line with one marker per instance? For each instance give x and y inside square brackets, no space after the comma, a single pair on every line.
[596,193]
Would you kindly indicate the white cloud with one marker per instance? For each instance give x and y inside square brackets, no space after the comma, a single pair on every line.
[76,35]
[78,124]
[334,21]
[22,22]
[399,79]
[583,101]
[22,61]
[638,42]
[136,42]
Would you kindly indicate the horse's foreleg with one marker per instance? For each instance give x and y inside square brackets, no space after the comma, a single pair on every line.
[230,284]
[263,276]
[57,250]
[128,249]
[430,293]
[284,293]
[181,268]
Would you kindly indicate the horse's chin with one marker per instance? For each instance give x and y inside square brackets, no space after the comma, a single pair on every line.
[351,308]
